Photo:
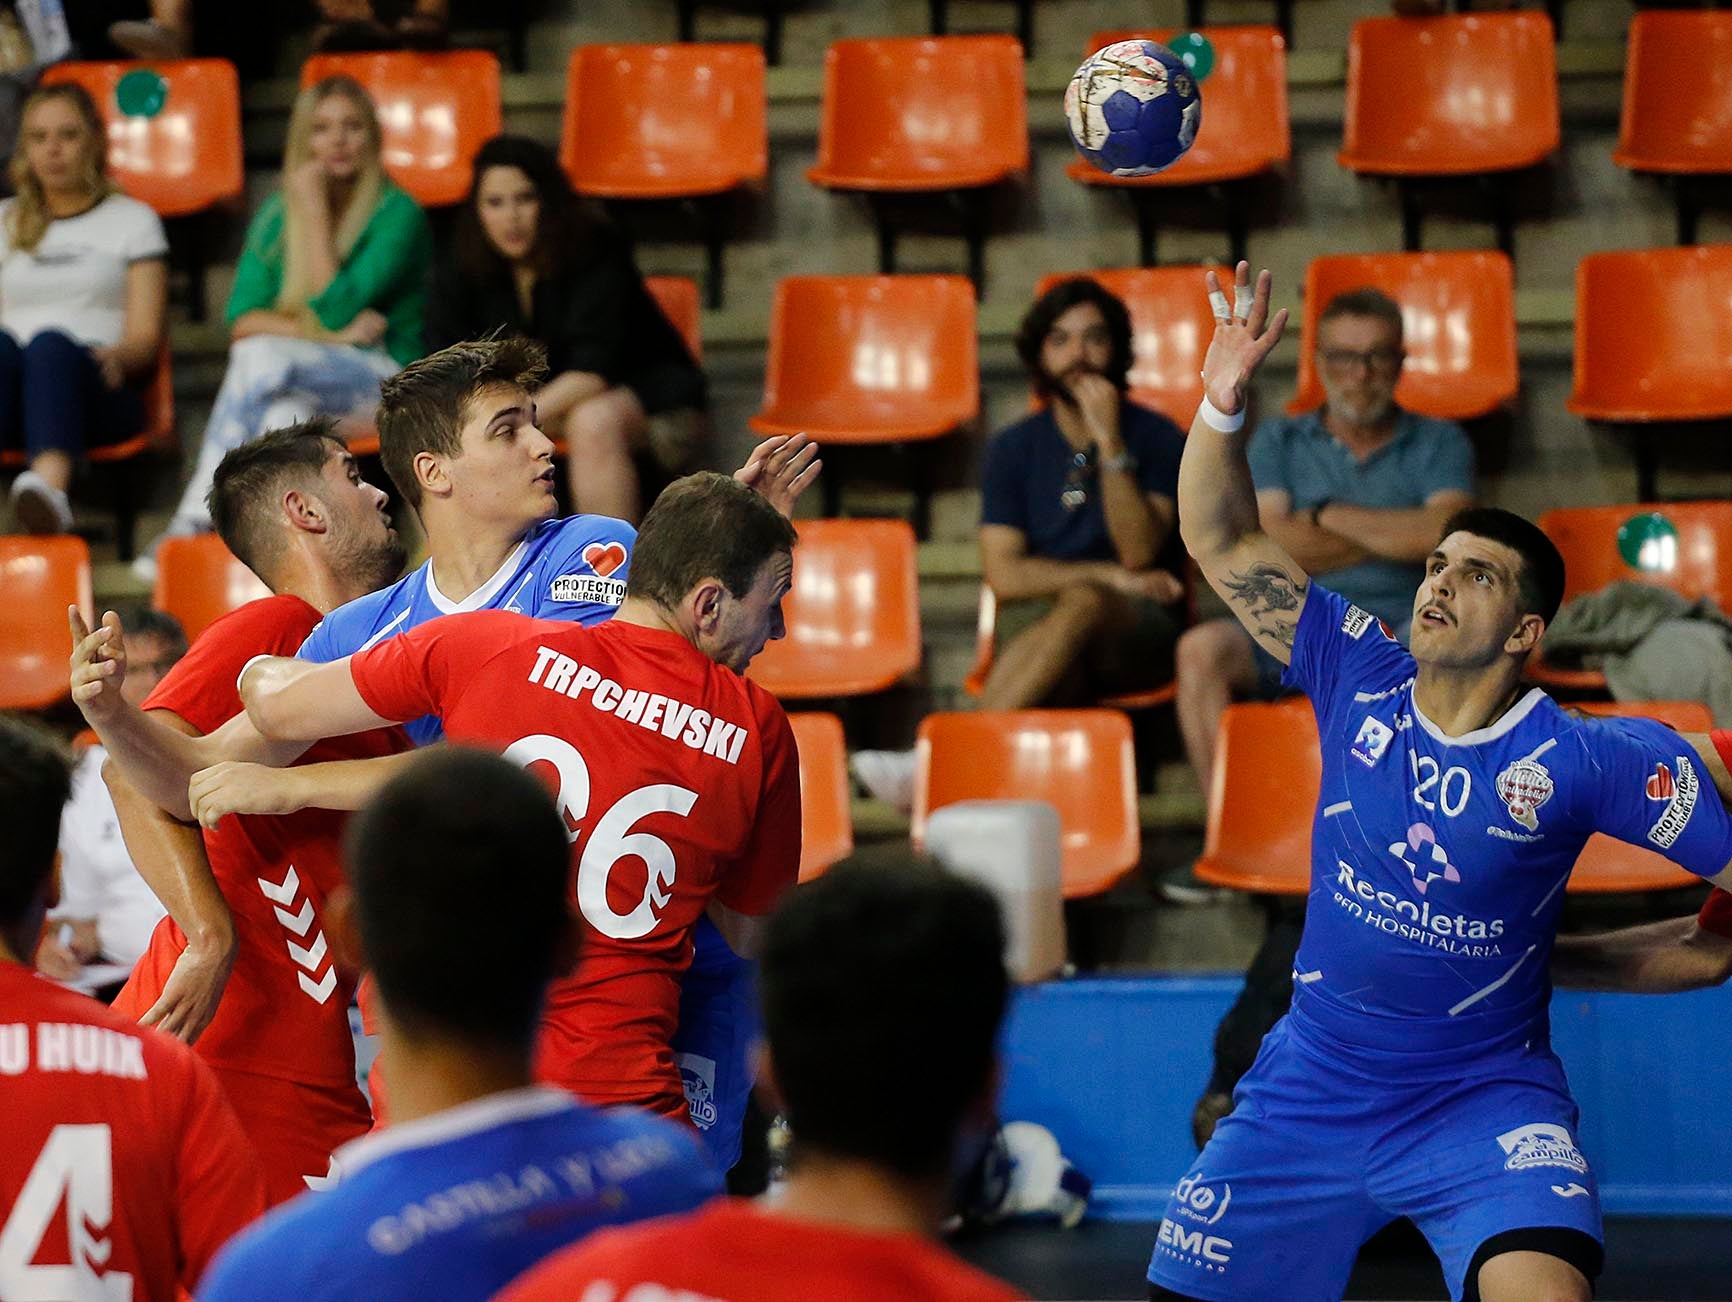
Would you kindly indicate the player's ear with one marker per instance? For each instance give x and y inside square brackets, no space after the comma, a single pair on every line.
[305,511]
[431,473]
[705,602]
[343,924]
[1526,636]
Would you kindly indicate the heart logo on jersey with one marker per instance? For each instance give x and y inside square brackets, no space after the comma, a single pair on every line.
[1661,786]
[604,558]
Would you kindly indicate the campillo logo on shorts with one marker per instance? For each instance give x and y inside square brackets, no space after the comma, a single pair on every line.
[1541,1144]
[698,1075]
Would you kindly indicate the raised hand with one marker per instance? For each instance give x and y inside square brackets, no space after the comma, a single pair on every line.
[781,468]
[1245,334]
[98,666]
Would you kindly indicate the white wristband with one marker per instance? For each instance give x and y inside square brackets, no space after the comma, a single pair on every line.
[1217,419]
[241,677]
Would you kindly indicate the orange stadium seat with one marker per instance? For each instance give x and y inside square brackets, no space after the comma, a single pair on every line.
[39,579]
[157,435]
[1171,326]
[924,114]
[1677,84]
[986,650]
[1267,776]
[1458,326]
[1244,131]
[186,156]
[826,822]
[677,296]
[682,122]
[198,581]
[664,121]
[870,359]
[1078,761]
[1652,338]
[435,111]
[853,615]
[1675,545]
[1457,95]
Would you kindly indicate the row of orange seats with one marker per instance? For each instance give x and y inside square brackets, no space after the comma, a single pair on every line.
[1429,97]
[853,628]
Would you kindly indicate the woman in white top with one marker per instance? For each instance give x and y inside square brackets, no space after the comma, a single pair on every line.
[83,296]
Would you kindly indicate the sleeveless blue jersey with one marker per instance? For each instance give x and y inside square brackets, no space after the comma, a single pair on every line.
[573,569]
[1439,863]
[458,1204]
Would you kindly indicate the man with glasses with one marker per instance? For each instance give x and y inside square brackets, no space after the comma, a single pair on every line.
[1357,492]
[1077,527]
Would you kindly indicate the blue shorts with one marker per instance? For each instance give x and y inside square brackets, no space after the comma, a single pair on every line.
[716,1041]
[1316,1157]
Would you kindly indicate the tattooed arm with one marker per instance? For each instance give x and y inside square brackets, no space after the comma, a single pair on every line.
[1218,519]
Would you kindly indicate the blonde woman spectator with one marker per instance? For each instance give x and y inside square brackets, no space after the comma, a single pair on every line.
[329,292]
[83,292]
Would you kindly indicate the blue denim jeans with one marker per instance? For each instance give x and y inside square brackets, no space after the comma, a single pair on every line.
[52,398]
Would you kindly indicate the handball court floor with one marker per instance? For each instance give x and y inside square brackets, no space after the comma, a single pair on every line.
[1647,1260]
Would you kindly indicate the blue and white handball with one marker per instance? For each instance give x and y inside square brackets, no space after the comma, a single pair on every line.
[1133,108]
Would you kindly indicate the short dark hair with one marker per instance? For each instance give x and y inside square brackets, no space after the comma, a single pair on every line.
[1541,579]
[563,226]
[422,408]
[705,526]
[35,780]
[140,620]
[883,986]
[461,872]
[243,492]
[1364,302]
[1037,323]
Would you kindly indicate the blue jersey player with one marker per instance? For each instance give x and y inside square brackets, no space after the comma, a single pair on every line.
[458,435]
[483,1174]
[1413,1075]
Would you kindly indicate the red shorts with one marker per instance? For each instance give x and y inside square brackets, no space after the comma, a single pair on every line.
[295,1127]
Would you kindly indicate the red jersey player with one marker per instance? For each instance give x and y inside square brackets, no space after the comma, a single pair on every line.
[883,985]
[678,777]
[1685,953]
[292,506]
[123,1169]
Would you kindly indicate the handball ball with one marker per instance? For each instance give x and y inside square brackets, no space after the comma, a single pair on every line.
[1133,108]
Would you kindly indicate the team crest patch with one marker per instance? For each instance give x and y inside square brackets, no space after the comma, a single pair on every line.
[1541,1144]
[1680,804]
[1523,787]
[1372,741]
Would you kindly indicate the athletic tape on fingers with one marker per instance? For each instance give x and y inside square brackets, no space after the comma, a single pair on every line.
[1218,305]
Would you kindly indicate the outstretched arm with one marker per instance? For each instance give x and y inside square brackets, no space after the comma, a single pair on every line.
[1218,518]
[295,700]
[157,759]
[1655,958]
[241,788]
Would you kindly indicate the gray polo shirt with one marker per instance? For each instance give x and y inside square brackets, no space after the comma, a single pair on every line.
[1297,455]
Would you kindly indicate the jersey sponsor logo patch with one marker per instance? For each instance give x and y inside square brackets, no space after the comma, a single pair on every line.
[698,1076]
[1661,786]
[1209,1252]
[1357,622]
[1523,787]
[1453,933]
[1679,806]
[1570,1190]
[604,558]
[1372,741]
[1195,1199]
[1504,834]
[587,587]
[1541,1144]
[1424,858]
